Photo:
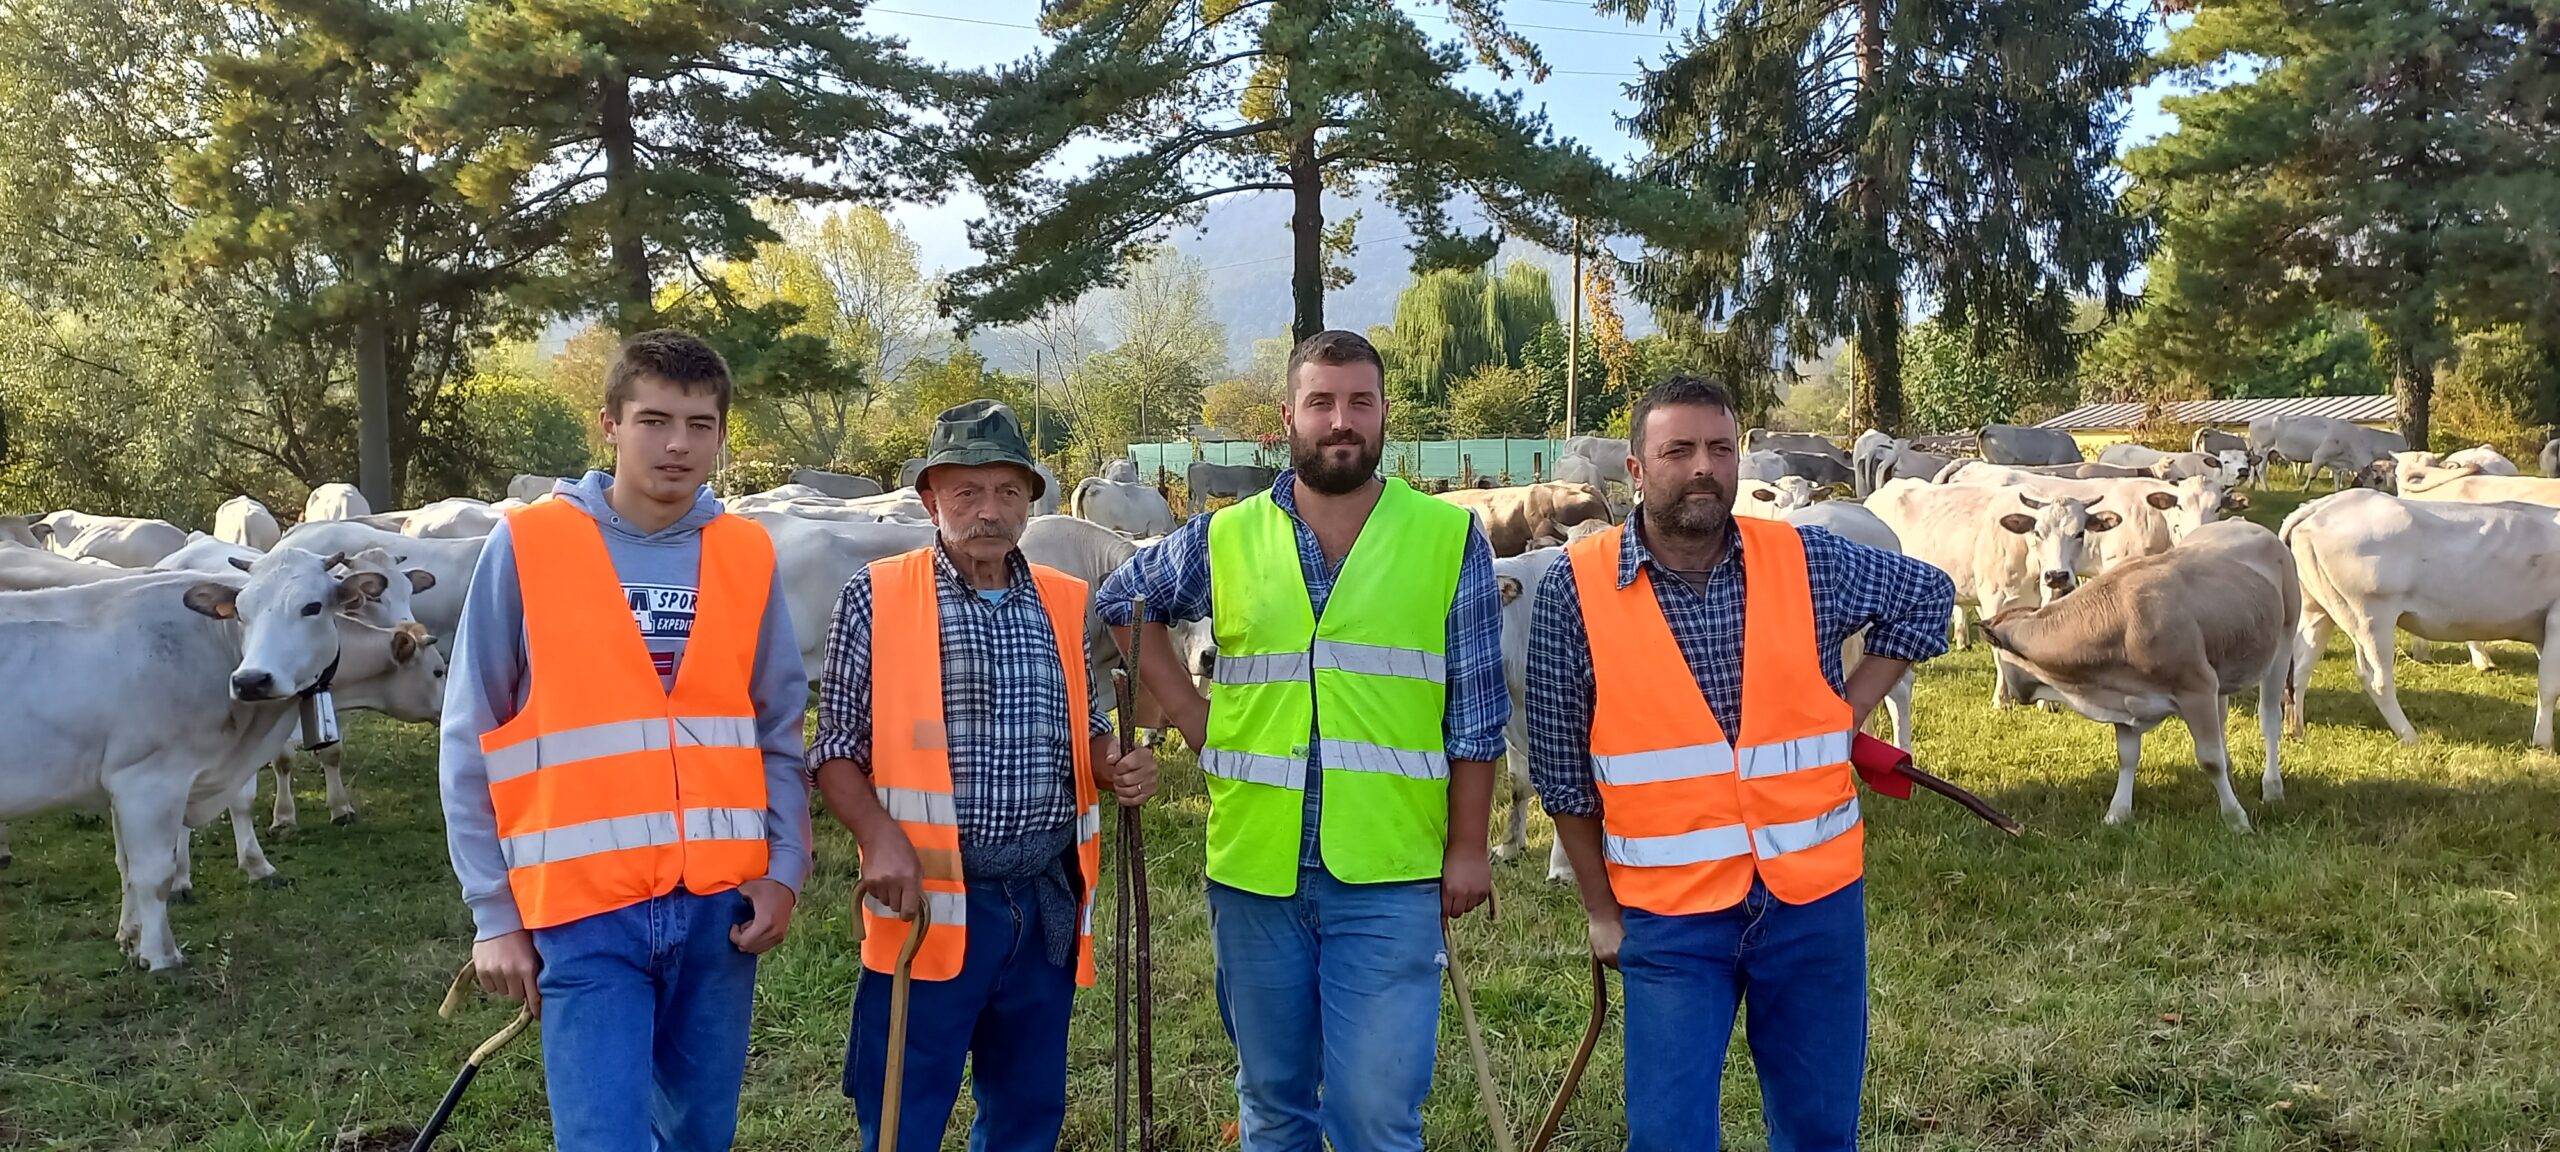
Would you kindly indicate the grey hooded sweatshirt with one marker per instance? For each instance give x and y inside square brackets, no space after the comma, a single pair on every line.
[488,684]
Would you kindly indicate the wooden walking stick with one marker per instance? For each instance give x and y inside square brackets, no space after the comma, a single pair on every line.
[1548,1127]
[1486,1090]
[1130,872]
[893,1082]
[471,1067]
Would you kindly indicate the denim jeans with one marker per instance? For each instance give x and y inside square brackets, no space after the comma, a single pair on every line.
[1005,1015]
[1332,997]
[644,1025]
[1802,969]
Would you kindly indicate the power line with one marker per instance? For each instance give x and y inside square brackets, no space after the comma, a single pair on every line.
[955,19]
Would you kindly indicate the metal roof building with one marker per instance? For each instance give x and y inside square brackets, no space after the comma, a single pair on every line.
[2378,410]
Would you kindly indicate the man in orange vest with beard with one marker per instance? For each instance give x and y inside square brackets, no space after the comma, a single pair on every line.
[622,767]
[1690,728]
[961,742]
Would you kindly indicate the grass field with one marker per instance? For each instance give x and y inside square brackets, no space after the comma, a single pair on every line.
[2378,966]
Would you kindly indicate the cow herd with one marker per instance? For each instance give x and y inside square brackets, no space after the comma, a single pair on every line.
[162,668]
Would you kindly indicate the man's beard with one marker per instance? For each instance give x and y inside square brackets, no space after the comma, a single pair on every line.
[1680,516]
[1321,474]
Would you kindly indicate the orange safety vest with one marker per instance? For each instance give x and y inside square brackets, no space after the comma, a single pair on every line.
[1689,813]
[911,759]
[610,788]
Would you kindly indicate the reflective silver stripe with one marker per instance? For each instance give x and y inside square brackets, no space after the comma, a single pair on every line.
[723,824]
[1780,839]
[612,834]
[715,732]
[1662,764]
[916,806]
[1267,668]
[1353,756]
[647,734]
[1686,848]
[950,909]
[1376,660]
[1254,768]
[1088,824]
[614,739]
[1795,755]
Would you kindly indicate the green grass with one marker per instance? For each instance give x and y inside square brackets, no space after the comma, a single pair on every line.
[2374,968]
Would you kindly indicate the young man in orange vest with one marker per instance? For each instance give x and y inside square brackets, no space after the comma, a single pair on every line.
[960,740]
[622,769]
[1689,730]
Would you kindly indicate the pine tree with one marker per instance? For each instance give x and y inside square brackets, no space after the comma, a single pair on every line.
[1965,145]
[1219,97]
[637,135]
[2389,158]
[303,180]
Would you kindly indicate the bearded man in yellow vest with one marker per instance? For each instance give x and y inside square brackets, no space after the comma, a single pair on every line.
[622,767]
[1348,744]
[1689,731]
[961,740]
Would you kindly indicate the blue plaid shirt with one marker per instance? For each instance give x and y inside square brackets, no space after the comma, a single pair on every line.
[1904,605]
[1173,575]
[1004,702]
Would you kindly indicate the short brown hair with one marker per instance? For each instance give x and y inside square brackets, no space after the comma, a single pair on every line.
[679,358]
[1337,347]
[1679,392]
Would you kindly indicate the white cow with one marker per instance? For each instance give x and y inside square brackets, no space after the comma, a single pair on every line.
[2462,482]
[20,531]
[335,501]
[2001,546]
[1854,523]
[246,522]
[123,541]
[529,488]
[1120,469]
[2167,635]
[1123,506]
[1518,577]
[2550,459]
[453,518]
[1773,499]
[445,564]
[32,569]
[165,742]
[2486,459]
[2348,451]
[2229,467]
[1608,459]
[2446,571]
[1866,455]
[2156,513]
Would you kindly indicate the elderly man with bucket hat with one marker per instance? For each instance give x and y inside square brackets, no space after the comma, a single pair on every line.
[961,742]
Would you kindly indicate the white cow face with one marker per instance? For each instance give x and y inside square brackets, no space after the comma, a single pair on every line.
[413,688]
[288,613]
[2195,504]
[1197,646]
[2058,535]
[2231,467]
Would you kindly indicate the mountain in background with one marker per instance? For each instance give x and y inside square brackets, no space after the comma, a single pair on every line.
[1243,243]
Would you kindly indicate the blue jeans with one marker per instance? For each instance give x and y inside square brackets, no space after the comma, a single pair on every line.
[1005,1015]
[1802,968]
[1332,997]
[644,1025]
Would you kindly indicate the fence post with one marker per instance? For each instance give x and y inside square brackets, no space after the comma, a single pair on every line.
[1538,467]
[1466,469]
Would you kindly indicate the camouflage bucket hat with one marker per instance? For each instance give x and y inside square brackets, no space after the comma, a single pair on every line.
[980,432]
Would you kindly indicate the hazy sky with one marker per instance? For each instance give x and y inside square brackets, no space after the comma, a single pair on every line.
[1592,57]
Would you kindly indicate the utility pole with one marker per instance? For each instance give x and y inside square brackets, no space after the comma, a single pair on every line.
[1573,339]
[1035,401]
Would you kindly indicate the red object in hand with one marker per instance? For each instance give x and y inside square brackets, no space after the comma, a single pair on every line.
[1881,765]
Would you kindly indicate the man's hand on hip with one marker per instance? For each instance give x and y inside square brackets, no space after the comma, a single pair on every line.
[772,901]
[509,968]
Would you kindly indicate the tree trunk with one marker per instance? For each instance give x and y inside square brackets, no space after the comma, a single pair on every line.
[635,309]
[1306,238]
[2413,383]
[1877,274]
